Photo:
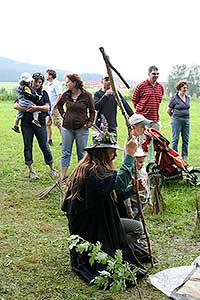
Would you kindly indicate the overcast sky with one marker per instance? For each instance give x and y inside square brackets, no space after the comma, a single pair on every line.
[135,34]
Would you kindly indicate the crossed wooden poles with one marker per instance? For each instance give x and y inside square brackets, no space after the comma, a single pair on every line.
[109,68]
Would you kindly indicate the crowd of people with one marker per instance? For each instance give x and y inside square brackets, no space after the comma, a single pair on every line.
[94,188]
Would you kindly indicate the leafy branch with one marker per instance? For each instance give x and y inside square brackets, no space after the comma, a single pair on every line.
[117,272]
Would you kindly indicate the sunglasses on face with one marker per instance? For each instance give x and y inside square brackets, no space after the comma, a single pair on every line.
[155,74]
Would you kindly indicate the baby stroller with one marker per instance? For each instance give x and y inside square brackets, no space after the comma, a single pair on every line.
[168,163]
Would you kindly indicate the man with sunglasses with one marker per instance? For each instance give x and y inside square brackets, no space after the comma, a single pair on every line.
[147,97]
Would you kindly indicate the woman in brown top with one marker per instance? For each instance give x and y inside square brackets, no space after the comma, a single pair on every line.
[77,118]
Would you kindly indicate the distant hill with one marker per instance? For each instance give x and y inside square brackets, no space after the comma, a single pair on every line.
[10,71]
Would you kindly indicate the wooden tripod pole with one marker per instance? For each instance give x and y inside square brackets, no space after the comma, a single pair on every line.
[135,184]
[112,83]
[109,68]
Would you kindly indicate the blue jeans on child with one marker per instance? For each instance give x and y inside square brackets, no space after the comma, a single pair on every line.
[68,137]
[180,125]
[25,103]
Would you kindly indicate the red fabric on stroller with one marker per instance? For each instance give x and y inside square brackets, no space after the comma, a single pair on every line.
[165,156]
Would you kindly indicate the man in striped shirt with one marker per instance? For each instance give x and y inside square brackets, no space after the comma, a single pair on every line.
[148,96]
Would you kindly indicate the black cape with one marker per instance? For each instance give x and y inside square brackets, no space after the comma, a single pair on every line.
[95,217]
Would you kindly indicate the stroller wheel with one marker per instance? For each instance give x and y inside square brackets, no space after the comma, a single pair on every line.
[151,167]
[194,177]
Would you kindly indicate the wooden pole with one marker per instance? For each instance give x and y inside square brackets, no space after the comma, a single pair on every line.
[109,68]
[135,183]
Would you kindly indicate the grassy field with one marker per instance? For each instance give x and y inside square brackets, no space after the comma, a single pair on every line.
[34,259]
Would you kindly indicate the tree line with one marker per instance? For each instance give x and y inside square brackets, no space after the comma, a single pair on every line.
[189,73]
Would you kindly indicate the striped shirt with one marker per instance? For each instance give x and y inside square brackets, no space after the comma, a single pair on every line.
[147,98]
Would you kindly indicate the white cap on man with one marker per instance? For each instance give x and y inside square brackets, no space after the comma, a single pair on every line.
[26,77]
[137,118]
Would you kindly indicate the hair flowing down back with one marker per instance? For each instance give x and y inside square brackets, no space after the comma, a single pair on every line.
[92,160]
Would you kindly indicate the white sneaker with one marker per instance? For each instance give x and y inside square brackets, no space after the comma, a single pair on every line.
[33,175]
[53,173]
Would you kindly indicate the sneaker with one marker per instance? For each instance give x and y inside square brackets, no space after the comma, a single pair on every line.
[60,144]
[50,142]
[53,173]
[37,123]
[16,128]
[33,175]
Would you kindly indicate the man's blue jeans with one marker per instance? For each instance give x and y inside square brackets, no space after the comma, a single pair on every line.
[28,132]
[68,137]
[180,126]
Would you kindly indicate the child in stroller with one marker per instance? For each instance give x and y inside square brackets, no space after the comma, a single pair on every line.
[168,163]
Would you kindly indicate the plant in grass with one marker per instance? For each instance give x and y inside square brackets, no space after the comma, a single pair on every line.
[117,272]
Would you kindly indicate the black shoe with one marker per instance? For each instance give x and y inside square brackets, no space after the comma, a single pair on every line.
[50,142]
[16,128]
[37,123]
[60,144]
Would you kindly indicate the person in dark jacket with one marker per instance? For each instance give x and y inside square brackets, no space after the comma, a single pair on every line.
[29,130]
[106,107]
[78,117]
[90,203]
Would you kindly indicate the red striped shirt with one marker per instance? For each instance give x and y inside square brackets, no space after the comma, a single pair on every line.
[147,98]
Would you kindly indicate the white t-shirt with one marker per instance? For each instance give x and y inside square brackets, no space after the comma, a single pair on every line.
[54,88]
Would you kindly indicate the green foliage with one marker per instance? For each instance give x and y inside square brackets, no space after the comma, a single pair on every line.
[189,73]
[7,96]
[128,95]
[105,138]
[116,273]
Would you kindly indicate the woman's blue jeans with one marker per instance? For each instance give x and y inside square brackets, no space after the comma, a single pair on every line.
[68,137]
[180,126]
[28,132]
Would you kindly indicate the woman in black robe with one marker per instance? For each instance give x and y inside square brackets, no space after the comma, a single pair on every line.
[90,204]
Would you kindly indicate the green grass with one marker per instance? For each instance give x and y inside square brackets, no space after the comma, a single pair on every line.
[34,259]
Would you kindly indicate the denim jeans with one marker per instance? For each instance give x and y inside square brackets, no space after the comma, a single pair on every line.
[25,103]
[28,132]
[180,126]
[68,137]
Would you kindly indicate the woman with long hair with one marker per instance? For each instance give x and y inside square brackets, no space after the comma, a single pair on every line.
[90,202]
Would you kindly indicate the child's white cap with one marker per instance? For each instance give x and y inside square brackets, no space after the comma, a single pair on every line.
[139,152]
[26,77]
[137,118]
